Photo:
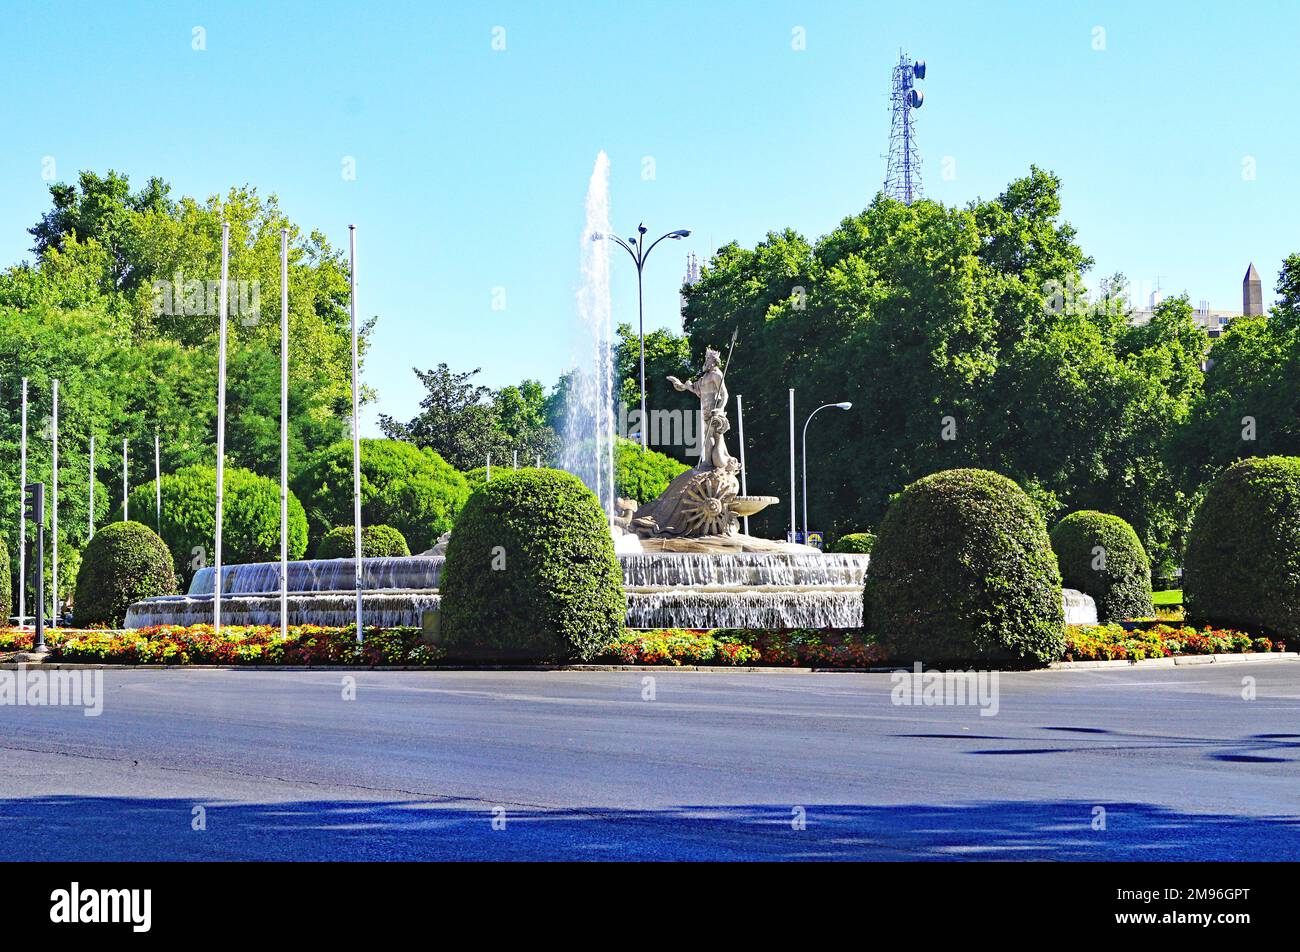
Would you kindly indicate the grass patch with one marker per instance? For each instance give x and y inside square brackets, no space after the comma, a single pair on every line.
[1170,597]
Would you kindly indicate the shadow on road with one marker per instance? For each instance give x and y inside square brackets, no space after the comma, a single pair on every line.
[90,828]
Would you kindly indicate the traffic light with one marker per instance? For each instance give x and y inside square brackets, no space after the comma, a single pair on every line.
[34,503]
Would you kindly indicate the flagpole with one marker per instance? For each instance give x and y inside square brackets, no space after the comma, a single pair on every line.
[54,507]
[22,518]
[91,494]
[157,481]
[126,514]
[284,432]
[221,424]
[356,427]
[740,424]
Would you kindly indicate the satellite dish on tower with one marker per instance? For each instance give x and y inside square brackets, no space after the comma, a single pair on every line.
[918,97]
[918,69]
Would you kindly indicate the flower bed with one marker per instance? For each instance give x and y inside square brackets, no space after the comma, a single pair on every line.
[236,645]
[1114,643]
[801,647]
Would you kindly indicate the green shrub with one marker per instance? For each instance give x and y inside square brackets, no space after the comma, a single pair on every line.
[1101,555]
[531,572]
[6,584]
[642,474]
[413,490]
[962,570]
[123,563]
[377,542]
[854,542]
[1242,568]
[250,521]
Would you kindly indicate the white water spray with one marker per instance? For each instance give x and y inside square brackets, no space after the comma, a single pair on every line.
[588,450]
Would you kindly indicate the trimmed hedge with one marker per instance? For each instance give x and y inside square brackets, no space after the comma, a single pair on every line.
[377,542]
[1242,568]
[123,563]
[531,572]
[854,543]
[6,584]
[1101,555]
[640,474]
[962,570]
[250,521]
[413,490]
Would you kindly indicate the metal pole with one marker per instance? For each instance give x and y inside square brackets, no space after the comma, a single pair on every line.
[91,494]
[740,424]
[284,432]
[489,468]
[126,515]
[221,426]
[54,506]
[794,525]
[38,641]
[516,459]
[157,482]
[356,431]
[640,309]
[22,519]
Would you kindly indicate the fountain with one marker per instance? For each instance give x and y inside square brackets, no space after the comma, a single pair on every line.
[685,561]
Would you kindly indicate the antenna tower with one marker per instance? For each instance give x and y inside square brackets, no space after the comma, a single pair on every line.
[903,170]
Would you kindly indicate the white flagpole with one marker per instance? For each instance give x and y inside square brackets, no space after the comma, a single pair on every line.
[516,459]
[54,508]
[794,525]
[740,424]
[489,468]
[157,482]
[356,423]
[92,488]
[126,515]
[221,425]
[22,518]
[284,432]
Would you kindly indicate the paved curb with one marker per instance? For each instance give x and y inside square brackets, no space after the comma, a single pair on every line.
[658,668]
[1179,661]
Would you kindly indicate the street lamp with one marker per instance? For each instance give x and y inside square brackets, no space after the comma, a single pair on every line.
[839,406]
[635,246]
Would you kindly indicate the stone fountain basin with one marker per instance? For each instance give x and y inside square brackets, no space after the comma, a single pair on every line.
[749,505]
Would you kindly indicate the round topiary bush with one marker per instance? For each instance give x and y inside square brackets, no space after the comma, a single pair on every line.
[413,490]
[377,542]
[123,563]
[1101,555]
[1242,568]
[859,543]
[250,521]
[962,570]
[531,572]
[640,474]
[6,584]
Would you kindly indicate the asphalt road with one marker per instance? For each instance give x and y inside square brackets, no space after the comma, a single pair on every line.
[566,765]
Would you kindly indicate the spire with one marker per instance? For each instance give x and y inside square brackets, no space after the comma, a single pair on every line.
[1252,293]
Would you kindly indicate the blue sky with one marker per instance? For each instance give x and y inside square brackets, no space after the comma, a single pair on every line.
[471,163]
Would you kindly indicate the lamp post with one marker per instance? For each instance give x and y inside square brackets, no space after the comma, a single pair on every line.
[635,246]
[839,406]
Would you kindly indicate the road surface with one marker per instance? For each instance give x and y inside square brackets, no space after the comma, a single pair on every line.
[1140,763]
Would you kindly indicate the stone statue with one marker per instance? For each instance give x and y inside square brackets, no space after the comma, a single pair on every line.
[711,388]
[701,509]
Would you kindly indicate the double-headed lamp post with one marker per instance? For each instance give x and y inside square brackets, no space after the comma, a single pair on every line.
[635,246]
[839,406]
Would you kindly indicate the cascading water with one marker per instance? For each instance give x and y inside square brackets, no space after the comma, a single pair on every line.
[588,438]
[664,590]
